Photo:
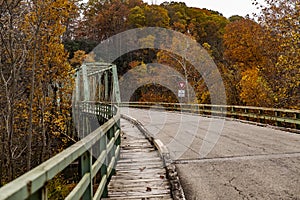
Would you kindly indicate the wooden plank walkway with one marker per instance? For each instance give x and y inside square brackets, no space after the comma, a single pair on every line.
[140,173]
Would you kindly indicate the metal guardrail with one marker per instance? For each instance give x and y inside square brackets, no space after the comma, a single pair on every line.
[278,117]
[33,184]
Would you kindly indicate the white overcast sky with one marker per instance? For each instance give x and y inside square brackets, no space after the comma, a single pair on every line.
[226,7]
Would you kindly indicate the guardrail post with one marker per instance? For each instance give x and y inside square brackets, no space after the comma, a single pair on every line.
[246,114]
[277,115]
[200,110]
[194,108]
[260,115]
[86,167]
[232,112]
[297,116]
[223,111]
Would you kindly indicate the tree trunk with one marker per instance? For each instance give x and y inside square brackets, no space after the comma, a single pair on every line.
[44,139]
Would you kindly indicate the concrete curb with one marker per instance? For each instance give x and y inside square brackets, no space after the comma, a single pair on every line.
[172,175]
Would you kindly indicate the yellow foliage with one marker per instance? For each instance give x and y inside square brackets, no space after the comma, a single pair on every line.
[254,89]
[90,57]
[44,26]
[79,57]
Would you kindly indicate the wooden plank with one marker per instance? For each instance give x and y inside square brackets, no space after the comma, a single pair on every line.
[138,185]
[139,159]
[141,150]
[153,180]
[140,173]
[142,170]
[142,190]
[148,197]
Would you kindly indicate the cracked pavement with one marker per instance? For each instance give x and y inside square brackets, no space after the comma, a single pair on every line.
[247,162]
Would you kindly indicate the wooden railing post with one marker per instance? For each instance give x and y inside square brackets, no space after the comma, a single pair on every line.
[41,194]
[118,139]
[103,170]
[111,134]
[86,168]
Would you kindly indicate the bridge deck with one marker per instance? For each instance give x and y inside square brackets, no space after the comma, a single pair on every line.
[140,173]
[247,162]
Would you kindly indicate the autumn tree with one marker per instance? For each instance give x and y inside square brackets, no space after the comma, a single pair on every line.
[208,27]
[254,89]
[148,16]
[78,58]
[281,19]
[98,21]
[246,57]
[51,80]
[36,82]
[103,19]
[13,53]
[234,18]
[179,18]
[265,55]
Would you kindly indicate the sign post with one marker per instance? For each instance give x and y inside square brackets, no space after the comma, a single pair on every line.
[181,90]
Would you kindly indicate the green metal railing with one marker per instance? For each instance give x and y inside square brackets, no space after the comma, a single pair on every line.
[33,184]
[277,117]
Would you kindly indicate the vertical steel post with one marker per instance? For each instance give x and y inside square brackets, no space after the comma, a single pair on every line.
[297,116]
[86,88]
[76,102]
[116,88]
[260,114]
[99,87]
[233,112]
[246,114]
[105,86]
[93,88]
[77,91]
[277,115]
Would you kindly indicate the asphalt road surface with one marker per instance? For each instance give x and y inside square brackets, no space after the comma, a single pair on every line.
[225,159]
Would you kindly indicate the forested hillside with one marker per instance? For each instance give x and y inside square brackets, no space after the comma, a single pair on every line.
[43,42]
[258,59]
